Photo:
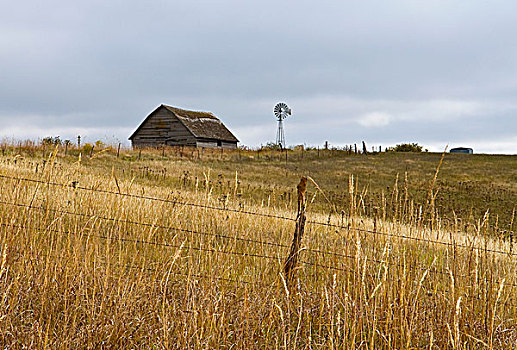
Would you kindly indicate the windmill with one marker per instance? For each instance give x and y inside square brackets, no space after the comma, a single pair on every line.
[281,112]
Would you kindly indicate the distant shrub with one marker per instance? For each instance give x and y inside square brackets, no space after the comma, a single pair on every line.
[406,147]
[99,144]
[49,141]
[87,148]
[272,146]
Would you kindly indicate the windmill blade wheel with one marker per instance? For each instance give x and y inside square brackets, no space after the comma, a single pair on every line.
[281,109]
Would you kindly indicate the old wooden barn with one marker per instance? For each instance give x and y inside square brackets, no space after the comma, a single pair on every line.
[172,126]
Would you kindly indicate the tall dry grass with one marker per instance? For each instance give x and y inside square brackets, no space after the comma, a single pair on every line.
[82,268]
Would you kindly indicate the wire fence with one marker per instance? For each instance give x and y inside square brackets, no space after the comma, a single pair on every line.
[138,223]
[211,250]
[430,270]
[247,240]
[244,254]
[204,233]
[74,185]
[230,252]
[165,244]
[164,272]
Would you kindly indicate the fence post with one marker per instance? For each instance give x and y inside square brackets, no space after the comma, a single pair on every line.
[291,262]
[118,150]
[286,163]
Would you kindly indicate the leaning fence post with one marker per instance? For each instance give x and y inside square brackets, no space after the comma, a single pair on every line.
[291,262]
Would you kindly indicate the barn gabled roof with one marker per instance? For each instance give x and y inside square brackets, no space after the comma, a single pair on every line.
[203,124]
[200,124]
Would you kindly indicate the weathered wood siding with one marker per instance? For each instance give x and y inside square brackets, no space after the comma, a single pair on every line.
[229,145]
[163,128]
[212,143]
[207,143]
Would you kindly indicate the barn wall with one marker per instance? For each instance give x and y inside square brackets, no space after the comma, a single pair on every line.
[212,143]
[163,128]
[207,144]
[229,145]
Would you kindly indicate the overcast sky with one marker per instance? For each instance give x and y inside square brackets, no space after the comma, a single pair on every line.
[433,72]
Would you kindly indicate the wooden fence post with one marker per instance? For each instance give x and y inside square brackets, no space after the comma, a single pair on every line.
[286,174]
[291,262]
[118,150]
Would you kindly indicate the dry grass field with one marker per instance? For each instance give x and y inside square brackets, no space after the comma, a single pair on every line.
[179,249]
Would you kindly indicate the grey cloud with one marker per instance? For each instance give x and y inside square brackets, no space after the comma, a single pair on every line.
[429,66]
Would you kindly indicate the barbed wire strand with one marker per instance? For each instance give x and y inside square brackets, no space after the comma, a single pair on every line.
[375,232]
[172,201]
[139,241]
[454,245]
[416,239]
[138,223]
[170,245]
[170,228]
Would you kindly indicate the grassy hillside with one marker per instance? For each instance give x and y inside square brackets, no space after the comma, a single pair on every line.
[467,185]
[466,188]
[171,249]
